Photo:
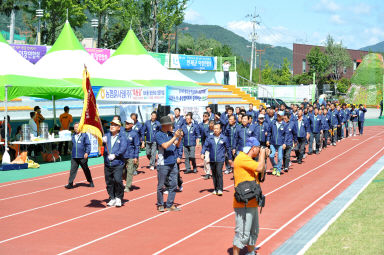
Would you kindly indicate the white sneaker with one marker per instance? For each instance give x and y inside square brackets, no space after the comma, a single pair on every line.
[219,193]
[214,192]
[112,202]
[166,192]
[181,188]
[118,202]
[152,168]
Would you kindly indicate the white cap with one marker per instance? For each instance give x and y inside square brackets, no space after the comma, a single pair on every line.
[129,121]
[261,116]
[281,113]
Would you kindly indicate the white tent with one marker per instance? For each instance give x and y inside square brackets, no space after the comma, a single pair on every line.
[131,61]
[66,58]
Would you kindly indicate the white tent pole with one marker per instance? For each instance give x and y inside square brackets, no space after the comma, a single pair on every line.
[54,110]
[6,117]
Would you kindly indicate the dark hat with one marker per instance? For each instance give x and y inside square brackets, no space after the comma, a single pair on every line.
[36,108]
[166,120]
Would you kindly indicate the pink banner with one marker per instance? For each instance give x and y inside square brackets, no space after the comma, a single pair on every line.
[101,55]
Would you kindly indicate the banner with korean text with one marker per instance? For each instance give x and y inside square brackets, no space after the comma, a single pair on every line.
[100,55]
[32,53]
[132,95]
[193,62]
[184,96]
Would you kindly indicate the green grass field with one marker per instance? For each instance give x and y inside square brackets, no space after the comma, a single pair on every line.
[360,229]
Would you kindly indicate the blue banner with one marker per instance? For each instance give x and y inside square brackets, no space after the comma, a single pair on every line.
[193,62]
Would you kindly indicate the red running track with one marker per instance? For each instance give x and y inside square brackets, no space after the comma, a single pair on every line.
[38,216]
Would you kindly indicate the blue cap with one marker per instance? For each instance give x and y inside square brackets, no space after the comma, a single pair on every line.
[252,141]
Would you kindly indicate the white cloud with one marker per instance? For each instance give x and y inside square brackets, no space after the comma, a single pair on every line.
[337,19]
[361,8]
[194,17]
[327,6]
[242,28]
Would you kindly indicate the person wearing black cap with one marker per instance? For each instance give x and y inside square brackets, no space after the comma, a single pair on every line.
[115,146]
[167,144]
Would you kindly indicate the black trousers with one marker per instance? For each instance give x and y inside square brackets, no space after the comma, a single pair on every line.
[300,148]
[287,156]
[217,175]
[226,77]
[179,179]
[75,163]
[325,136]
[114,181]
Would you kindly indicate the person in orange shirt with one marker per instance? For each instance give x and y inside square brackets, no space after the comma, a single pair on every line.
[38,117]
[247,218]
[65,121]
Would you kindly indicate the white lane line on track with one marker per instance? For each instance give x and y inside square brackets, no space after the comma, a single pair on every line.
[42,178]
[299,177]
[42,190]
[84,215]
[136,224]
[65,200]
[318,199]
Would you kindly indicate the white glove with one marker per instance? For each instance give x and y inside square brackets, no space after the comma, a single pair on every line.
[111,157]
[104,139]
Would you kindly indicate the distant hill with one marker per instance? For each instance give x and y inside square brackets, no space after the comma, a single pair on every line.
[238,44]
[379,47]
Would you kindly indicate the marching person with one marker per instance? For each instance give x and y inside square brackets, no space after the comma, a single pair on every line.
[167,143]
[334,116]
[340,128]
[218,147]
[361,112]
[247,217]
[345,120]
[262,130]
[302,130]
[252,112]
[243,132]
[151,127]
[131,155]
[115,146]
[207,166]
[179,120]
[190,140]
[81,147]
[210,113]
[290,136]
[354,119]
[325,124]
[229,132]
[138,127]
[315,128]
[277,141]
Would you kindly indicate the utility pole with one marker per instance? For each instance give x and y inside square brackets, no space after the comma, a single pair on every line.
[253,18]
[39,14]
[12,26]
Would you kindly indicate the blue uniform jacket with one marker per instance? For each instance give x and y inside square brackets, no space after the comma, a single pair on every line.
[230,132]
[303,129]
[138,127]
[290,133]
[150,130]
[254,114]
[242,134]
[224,119]
[361,114]
[262,132]
[81,146]
[133,144]
[315,124]
[179,123]
[334,118]
[217,151]
[354,112]
[203,129]
[118,149]
[341,114]
[347,115]
[277,136]
[179,150]
[326,122]
[269,120]
[189,138]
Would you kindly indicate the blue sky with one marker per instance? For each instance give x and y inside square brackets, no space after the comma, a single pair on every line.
[283,22]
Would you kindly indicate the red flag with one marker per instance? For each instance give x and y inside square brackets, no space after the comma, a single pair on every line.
[90,120]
